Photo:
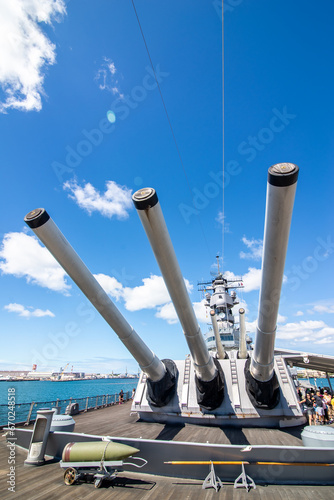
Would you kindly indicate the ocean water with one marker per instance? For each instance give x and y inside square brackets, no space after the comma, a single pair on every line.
[44,392]
[319,382]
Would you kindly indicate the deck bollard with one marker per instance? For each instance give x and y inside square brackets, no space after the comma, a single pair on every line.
[39,438]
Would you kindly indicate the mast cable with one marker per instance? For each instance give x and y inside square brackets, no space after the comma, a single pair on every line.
[170,124]
[223,132]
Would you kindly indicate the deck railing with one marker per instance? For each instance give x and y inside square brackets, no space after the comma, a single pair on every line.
[27,412]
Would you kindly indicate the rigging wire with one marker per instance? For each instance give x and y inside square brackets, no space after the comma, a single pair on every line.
[170,124]
[223,137]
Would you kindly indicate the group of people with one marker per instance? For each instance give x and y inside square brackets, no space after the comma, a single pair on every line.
[121,396]
[318,406]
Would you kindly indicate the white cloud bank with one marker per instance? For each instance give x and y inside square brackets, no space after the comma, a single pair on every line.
[251,280]
[39,267]
[115,201]
[324,308]
[25,51]
[22,256]
[28,312]
[255,249]
[313,331]
[151,294]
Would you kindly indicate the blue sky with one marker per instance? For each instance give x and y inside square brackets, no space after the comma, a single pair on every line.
[83,126]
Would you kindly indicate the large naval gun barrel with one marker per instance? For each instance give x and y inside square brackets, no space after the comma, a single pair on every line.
[219,346]
[242,354]
[209,376]
[261,380]
[50,235]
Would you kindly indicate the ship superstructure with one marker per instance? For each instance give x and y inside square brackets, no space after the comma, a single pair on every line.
[221,299]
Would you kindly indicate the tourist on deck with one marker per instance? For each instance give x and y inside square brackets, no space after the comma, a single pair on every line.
[319,409]
[328,410]
[308,404]
[121,397]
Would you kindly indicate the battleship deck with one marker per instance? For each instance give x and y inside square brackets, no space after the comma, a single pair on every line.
[46,482]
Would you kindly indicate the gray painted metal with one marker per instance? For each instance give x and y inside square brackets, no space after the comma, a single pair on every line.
[158,452]
[279,207]
[236,409]
[308,360]
[318,436]
[59,247]
[39,438]
[219,345]
[156,230]
[242,338]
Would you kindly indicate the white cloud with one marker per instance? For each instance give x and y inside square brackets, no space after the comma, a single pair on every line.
[25,51]
[255,249]
[115,201]
[242,304]
[28,312]
[251,280]
[221,219]
[106,79]
[299,313]
[326,340]
[306,331]
[168,313]
[23,256]
[251,327]
[151,294]
[329,309]
[281,319]
[202,313]
[110,285]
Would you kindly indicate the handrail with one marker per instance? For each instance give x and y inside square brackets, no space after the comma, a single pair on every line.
[25,413]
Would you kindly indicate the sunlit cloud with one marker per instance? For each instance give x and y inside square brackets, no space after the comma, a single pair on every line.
[28,312]
[114,202]
[26,51]
[306,331]
[106,77]
[168,313]
[324,308]
[110,285]
[255,249]
[23,256]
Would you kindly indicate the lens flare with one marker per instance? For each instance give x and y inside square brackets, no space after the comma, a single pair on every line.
[111,116]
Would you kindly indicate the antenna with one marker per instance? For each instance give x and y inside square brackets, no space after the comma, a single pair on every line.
[217,257]
[223,136]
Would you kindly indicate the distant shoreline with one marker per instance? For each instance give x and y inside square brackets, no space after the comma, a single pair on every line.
[66,380]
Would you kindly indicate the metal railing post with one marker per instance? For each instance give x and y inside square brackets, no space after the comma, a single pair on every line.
[29,413]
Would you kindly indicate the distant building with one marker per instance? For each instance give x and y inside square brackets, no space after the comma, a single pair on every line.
[45,375]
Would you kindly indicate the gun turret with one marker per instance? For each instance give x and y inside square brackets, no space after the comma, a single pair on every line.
[261,381]
[209,377]
[161,375]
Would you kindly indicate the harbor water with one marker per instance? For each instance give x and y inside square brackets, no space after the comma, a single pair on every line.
[39,391]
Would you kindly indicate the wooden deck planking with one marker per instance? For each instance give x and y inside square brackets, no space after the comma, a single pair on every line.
[117,421]
[46,482]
